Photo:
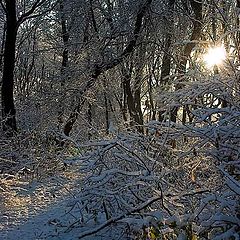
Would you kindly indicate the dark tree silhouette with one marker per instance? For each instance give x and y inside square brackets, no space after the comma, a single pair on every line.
[8,108]
[7,90]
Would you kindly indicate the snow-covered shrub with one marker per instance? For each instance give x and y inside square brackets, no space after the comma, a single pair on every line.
[134,187]
[212,133]
[29,155]
[123,185]
[144,186]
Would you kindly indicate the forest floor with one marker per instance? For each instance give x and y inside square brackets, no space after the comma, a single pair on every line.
[38,209]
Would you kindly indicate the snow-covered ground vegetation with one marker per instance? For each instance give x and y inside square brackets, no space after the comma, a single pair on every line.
[120,119]
[179,181]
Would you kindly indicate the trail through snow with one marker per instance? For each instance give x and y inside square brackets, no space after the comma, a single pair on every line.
[37,209]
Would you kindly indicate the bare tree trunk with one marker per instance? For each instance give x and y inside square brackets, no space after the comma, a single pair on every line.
[226,42]
[166,61]
[89,118]
[72,119]
[140,59]
[106,113]
[64,66]
[12,25]
[151,101]
[129,95]
[8,108]
[237,26]
[196,34]
[2,48]
[138,109]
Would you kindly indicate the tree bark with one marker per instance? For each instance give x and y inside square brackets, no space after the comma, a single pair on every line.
[64,66]
[2,48]
[8,108]
[7,90]
[196,34]
[106,112]
[237,26]
[166,61]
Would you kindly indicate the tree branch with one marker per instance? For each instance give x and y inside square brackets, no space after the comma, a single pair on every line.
[129,48]
[115,219]
[100,68]
[4,8]
[28,14]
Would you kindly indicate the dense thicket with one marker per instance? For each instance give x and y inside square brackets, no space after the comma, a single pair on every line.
[130,78]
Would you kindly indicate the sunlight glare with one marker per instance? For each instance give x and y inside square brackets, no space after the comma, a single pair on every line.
[215,56]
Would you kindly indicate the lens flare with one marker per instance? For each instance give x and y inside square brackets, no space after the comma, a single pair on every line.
[215,56]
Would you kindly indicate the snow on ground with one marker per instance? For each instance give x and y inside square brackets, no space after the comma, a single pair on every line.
[37,209]
[40,210]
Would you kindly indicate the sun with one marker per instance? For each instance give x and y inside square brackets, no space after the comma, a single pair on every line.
[215,56]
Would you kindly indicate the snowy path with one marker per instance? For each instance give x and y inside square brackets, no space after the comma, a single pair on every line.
[36,210]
